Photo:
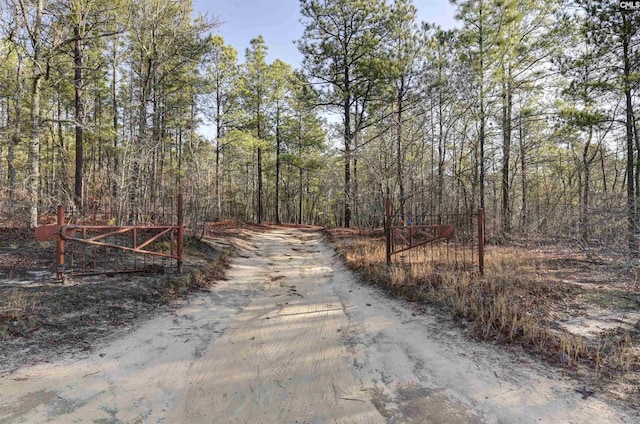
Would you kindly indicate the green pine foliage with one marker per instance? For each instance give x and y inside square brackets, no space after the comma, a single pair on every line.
[526,107]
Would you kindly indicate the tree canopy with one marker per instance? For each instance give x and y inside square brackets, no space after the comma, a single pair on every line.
[527,109]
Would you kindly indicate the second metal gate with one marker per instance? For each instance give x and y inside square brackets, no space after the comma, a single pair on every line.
[459,236]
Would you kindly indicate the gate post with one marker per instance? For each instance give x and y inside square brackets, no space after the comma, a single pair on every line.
[481,241]
[60,245]
[387,230]
[180,234]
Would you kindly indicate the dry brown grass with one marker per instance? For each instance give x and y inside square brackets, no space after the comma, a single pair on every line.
[16,311]
[16,305]
[212,267]
[510,305]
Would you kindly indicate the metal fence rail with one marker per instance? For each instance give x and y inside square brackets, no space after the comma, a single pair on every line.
[106,249]
[455,240]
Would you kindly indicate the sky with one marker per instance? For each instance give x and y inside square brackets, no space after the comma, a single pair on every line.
[278,23]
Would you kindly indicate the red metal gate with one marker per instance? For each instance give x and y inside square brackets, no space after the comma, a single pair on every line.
[404,236]
[107,249]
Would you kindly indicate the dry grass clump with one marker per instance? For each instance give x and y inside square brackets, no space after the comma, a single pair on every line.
[615,354]
[199,277]
[509,305]
[17,313]
[366,256]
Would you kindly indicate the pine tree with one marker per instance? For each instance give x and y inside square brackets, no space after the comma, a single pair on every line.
[341,44]
[256,98]
[222,72]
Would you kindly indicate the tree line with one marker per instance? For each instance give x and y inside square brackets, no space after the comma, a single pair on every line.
[526,109]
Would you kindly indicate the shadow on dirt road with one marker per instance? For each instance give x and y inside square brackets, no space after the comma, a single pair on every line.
[291,337]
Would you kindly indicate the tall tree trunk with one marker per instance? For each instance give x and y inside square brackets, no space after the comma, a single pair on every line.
[481,137]
[441,149]
[114,105]
[354,178]
[17,130]
[34,139]
[636,138]
[631,194]
[79,104]
[62,150]
[260,186]
[136,191]
[523,176]
[399,147]
[300,174]
[155,183]
[637,155]
[586,165]
[506,151]
[300,198]
[218,152]
[347,149]
[277,205]
[217,182]
[259,162]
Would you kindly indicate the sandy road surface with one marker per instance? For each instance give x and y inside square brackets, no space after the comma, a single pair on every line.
[291,337]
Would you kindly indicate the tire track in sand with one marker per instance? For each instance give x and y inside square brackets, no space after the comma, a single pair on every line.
[281,360]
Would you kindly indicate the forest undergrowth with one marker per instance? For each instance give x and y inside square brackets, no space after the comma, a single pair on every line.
[40,320]
[520,303]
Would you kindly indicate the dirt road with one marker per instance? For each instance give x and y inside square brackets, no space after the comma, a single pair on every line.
[291,337]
